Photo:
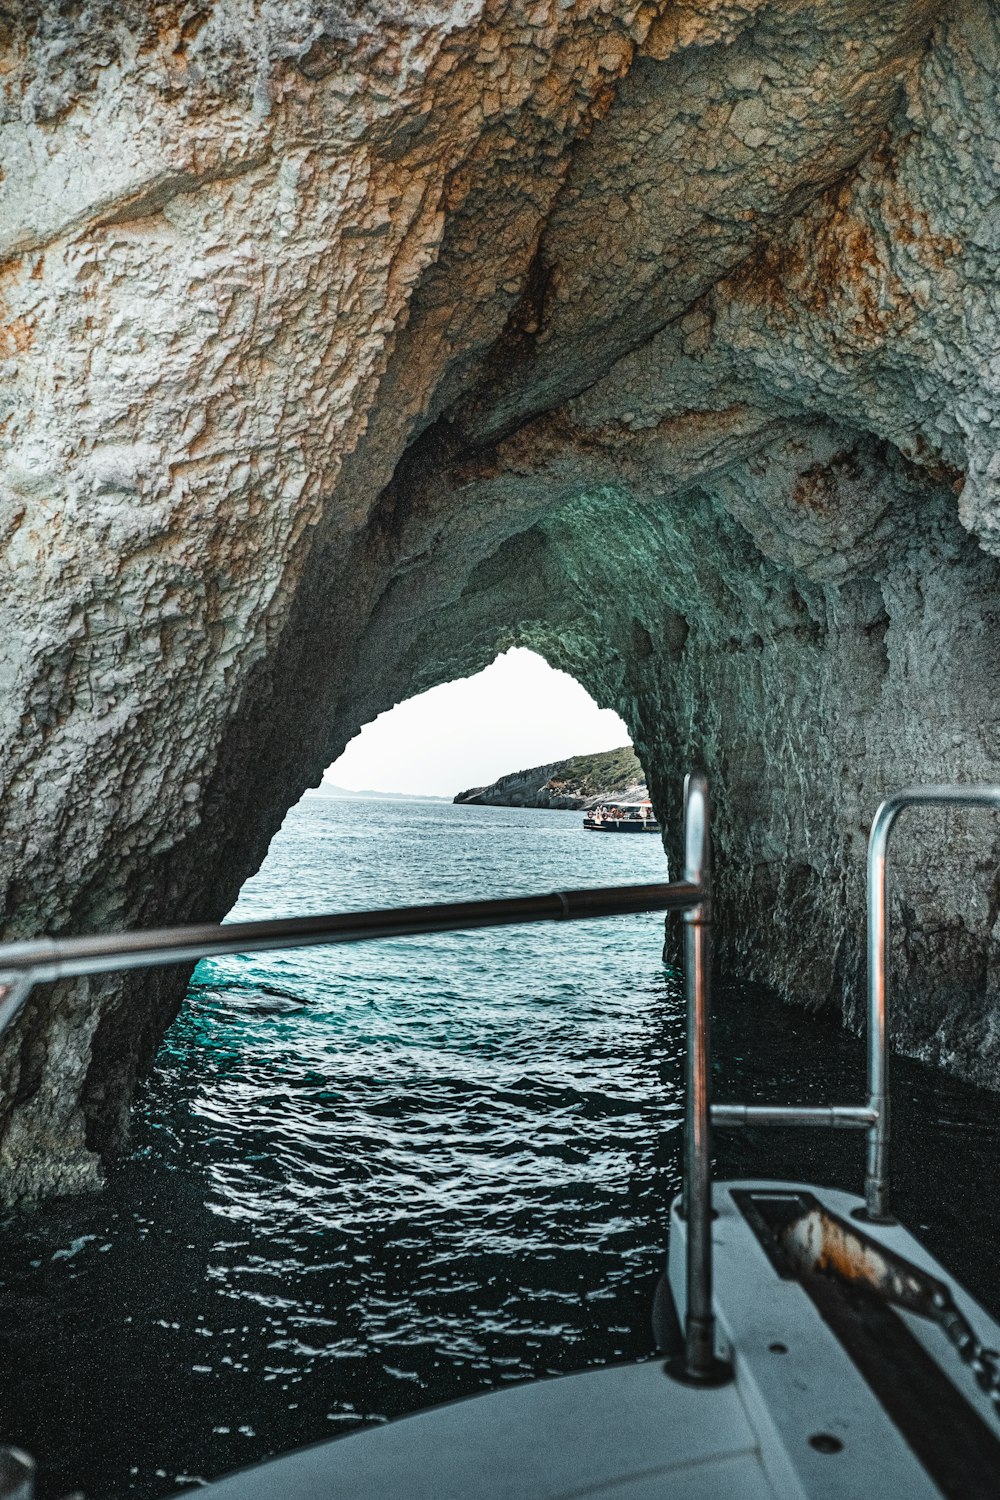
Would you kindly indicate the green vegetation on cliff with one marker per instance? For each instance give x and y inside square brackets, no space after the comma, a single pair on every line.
[606,771]
[572,783]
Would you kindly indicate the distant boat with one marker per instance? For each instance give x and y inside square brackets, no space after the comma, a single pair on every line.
[621,817]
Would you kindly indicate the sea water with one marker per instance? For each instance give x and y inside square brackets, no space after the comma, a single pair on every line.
[368,1178]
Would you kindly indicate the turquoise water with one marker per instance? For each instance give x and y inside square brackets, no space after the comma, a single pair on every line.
[365,1179]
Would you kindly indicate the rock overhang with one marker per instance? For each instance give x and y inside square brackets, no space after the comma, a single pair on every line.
[343,346]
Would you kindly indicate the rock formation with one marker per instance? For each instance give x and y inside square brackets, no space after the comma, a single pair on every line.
[344,344]
[579,782]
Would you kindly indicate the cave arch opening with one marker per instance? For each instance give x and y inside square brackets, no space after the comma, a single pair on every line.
[517,735]
[506,739]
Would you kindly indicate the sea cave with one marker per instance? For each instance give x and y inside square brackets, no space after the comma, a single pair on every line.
[343,347]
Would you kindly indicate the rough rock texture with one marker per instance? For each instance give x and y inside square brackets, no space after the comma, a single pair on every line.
[581,781]
[342,345]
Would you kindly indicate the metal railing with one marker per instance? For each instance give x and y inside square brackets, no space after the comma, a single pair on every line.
[23,965]
[873,1116]
[698,1363]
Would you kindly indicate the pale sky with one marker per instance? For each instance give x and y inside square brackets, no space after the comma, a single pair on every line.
[520,712]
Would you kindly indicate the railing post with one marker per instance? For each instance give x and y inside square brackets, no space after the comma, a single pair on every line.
[877,1161]
[877,1154]
[698,1363]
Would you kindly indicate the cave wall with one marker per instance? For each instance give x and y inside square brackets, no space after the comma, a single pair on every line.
[342,346]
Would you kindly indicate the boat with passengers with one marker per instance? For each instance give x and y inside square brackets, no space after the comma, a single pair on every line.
[621,817]
[807,1344]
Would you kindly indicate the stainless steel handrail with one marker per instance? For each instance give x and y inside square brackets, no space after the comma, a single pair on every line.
[837,1116]
[23,965]
[873,1116]
[698,1363]
[877,1163]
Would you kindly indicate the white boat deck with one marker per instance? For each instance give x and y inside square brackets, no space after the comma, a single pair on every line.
[796,1380]
[626,1432]
[798,1420]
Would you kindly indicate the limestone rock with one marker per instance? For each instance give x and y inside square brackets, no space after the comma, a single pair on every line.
[345,344]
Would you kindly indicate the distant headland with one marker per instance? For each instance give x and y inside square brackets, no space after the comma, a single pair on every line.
[330,789]
[580,781]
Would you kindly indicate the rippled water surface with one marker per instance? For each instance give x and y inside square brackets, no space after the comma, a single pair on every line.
[369,1178]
